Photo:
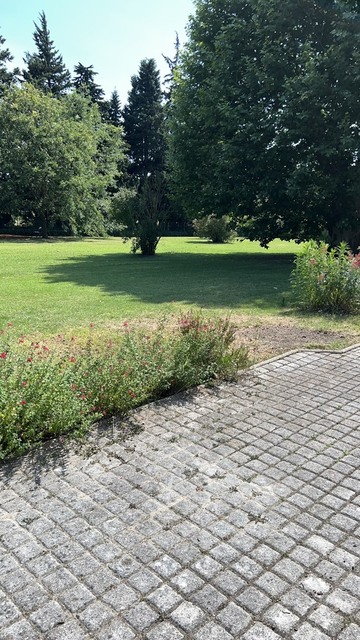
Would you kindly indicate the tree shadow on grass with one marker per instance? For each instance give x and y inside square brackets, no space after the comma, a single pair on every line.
[208,280]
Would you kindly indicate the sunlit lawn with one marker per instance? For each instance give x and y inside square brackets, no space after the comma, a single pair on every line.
[58,286]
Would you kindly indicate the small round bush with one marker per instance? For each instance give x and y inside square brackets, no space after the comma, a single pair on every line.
[215,229]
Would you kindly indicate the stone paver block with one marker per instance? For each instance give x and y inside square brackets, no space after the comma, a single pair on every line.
[188,616]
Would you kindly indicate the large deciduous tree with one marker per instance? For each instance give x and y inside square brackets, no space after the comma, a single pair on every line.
[57,160]
[45,68]
[266,117]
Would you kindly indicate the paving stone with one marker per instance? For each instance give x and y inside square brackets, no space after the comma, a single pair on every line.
[49,616]
[95,616]
[166,566]
[297,601]
[329,621]
[21,630]
[212,631]
[116,630]
[315,586]
[343,601]
[234,619]
[273,585]
[164,631]
[207,567]
[141,616]
[229,582]
[254,600]
[352,632]
[209,599]
[261,632]
[281,619]
[8,612]
[120,597]
[308,632]
[164,598]
[188,616]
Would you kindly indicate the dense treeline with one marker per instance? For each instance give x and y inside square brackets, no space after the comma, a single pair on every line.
[259,121]
[72,162]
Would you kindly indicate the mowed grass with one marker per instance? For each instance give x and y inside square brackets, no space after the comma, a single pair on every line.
[63,285]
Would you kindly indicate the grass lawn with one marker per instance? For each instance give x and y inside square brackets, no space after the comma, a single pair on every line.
[61,286]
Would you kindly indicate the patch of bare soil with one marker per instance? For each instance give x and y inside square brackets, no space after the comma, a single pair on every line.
[268,340]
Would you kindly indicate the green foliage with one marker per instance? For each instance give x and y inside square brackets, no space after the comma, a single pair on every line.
[6,77]
[114,115]
[144,123]
[48,390]
[143,213]
[45,68]
[84,82]
[265,117]
[327,279]
[57,160]
[215,229]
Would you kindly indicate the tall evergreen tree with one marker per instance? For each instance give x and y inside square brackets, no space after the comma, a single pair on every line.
[144,122]
[84,81]
[6,76]
[45,68]
[172,64]
[114,109]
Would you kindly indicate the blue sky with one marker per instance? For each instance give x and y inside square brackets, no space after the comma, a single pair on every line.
[112,35]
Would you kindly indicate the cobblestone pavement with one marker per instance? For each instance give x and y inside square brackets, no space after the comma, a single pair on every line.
[234,513]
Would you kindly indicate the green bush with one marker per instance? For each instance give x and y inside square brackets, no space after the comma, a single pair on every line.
[215,229]
[64,387]
[327,279]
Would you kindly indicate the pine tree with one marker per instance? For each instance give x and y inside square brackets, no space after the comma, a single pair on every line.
[84,81]
[114,109]
[45,68]
[6,76]
[144,122]
[172,64]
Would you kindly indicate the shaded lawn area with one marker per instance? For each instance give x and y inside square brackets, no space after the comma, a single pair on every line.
[56,286]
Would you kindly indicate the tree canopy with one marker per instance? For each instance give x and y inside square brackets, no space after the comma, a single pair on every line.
[45,68]
[266,117]
[56,160]
[144,122]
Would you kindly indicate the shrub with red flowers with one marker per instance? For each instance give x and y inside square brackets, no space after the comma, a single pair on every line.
[48,390]
[327,279]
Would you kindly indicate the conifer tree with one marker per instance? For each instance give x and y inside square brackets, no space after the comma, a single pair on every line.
[84,81]
[144,122]
[114,109]
[6,76]
[45,68]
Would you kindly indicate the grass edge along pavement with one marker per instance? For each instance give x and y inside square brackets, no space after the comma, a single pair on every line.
[47,392]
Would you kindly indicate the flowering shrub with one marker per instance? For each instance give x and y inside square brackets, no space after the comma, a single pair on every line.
[64,387]
[327,279]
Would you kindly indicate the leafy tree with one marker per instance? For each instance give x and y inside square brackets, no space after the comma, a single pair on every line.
[57,160]
[45,68]
[266,117]
[142,213]
[6,76]
[144,123]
